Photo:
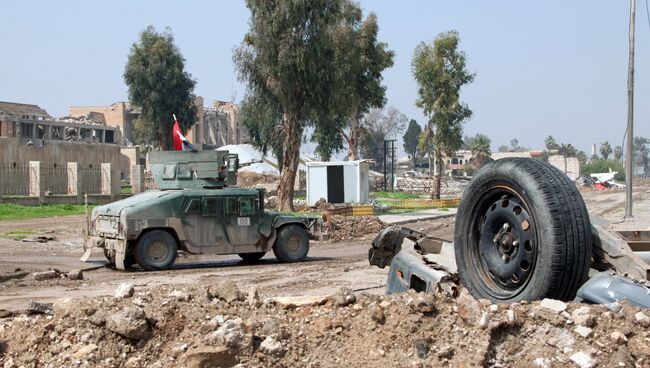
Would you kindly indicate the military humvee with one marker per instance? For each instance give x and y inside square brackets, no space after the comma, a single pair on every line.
[196,208]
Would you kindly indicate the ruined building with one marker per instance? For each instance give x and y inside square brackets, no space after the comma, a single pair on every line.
[215,126]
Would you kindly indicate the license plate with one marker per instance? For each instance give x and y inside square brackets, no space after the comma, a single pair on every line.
[243,221]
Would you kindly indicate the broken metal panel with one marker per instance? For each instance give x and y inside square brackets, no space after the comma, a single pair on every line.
[639,241]
[408,270]
[604,288]
[614,250]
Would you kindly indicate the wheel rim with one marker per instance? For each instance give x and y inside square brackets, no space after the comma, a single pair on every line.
[157,251]
[293,244]
[503,241]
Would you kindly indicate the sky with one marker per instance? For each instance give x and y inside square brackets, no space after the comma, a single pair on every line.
[542,68]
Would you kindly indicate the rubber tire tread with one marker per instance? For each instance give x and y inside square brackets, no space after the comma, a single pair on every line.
[140,255]
[284,233]
[560,269]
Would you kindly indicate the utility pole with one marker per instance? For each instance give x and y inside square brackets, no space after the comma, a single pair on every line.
[629,163]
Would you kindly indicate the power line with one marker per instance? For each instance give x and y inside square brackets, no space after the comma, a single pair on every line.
[647,12]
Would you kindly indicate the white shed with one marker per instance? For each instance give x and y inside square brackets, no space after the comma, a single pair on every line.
[337,182]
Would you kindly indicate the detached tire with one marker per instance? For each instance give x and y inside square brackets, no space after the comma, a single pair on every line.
[292,244]
[156,250]
[251,257]
[522,233]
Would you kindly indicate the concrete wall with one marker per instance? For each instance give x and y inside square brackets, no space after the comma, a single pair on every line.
[570,166]
[88,155]
[128,156]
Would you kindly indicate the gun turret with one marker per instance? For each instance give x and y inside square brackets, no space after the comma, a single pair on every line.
[194,169]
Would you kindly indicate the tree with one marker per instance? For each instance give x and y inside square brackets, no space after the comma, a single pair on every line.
[551,144]
[439,70]
[158,83]
[640,149]
[618,152]
[286,59]
[568,150]
[360,60]
[503,148]
[411,138]
[467,143]
[481,150]
[381,125]
[605,149]
[514,145]
[263,122]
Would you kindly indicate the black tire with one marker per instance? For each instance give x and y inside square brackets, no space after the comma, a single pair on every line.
[292,244]
[251,257]
[522,233]
[156,250]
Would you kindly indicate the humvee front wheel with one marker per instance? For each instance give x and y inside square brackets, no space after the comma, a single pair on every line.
[251,257]
[522,233]
[292,244]
[156,250]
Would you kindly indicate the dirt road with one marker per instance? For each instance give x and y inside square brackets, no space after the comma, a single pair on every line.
[330,265]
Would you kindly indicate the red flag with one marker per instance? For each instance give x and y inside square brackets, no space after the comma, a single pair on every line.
[177,134]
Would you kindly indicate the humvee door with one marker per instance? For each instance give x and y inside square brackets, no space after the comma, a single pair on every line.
[242,219]
[202,222]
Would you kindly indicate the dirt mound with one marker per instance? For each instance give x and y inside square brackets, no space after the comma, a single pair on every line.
[249,179]
[218,325]
[349,227]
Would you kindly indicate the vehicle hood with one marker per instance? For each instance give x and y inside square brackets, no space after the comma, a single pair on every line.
[141,199]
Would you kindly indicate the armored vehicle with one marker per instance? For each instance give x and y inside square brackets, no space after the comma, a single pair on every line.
[197,209]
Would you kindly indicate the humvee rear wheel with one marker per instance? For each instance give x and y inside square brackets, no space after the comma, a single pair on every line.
[522,233]
[292,244]
[251,257]
[156,250]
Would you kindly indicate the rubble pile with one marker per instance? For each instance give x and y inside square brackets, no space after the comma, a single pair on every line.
[251,179]
[351,227]
[221,326]
[590,183]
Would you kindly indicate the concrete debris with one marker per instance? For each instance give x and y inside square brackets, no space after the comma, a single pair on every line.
[131,322]
[231,333]
[40,308]
[423,303]
[555,306]
[254,297]
[75,275]
[582,316]
[124,290]
[583,331]
[271,346]
[345,296]
[618,337]
[484,322]
[47,275]
[210,357]
[288,302]
[642,319]
[469,309]
[583,359]
[226,291]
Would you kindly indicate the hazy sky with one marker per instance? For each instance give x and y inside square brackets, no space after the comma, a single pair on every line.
[546,67]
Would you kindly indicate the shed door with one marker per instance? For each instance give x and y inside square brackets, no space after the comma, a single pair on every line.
[335,191]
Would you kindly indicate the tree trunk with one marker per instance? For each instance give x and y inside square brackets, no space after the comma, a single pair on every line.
[414,160]
[353,138]
[290,161]
[437,179]
[164,141]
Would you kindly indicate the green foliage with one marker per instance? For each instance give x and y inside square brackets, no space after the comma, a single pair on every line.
[469,169]
[286,60]
[379,125]
[16,212]
[395,195]
[439,70]
[568,150]
[618,152]
[411,138]
[158,83]
[602,166]
[360,60]
[503,148]
[605,150]
[481,151]
[641,152]
[263,122]
[550,143]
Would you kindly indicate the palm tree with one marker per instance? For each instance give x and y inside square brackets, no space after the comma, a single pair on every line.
[605,149]
[568,150]
[481,150]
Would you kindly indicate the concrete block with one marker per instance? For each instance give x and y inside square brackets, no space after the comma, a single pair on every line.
[107,179]
[74,180]
[36,179]
[137,179]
